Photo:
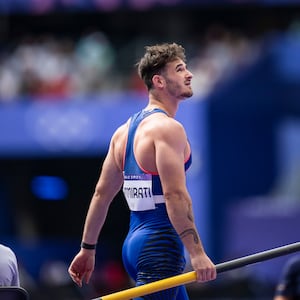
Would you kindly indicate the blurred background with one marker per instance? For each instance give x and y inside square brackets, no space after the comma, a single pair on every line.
[67,81]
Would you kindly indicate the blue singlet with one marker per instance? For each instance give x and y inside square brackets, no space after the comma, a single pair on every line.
[152,249]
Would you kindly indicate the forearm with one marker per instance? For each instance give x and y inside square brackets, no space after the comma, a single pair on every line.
[95,219]
[180,212]
[105,191]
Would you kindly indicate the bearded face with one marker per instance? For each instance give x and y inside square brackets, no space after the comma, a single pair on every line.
[178,80]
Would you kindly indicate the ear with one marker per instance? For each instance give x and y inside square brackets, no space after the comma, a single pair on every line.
[158,81]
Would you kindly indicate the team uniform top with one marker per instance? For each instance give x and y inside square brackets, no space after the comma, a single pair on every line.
[152,249]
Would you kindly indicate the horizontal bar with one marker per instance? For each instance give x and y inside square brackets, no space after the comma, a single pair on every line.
[189,277]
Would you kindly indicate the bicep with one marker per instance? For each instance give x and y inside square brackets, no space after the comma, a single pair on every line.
[169,153]
[170,164]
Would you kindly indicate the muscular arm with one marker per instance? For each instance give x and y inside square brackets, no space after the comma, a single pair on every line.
[170,146]
[106,189]
[108,185]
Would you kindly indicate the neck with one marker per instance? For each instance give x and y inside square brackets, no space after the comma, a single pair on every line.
[169,106]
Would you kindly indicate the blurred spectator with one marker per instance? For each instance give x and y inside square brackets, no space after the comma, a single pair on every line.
[44,67]
[9,272]
[288,287]
[50,67]
[56,68]
[94,59]
[10,80]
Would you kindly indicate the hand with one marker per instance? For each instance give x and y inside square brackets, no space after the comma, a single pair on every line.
[82,266]
[204,268]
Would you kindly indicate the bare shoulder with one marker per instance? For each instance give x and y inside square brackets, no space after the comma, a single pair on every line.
[166,126]
[121,132]
[118,143]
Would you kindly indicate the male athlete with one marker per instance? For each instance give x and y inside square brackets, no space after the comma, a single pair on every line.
[148,156]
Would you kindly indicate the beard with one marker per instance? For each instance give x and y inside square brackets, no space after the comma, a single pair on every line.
[187,94]
[177,90]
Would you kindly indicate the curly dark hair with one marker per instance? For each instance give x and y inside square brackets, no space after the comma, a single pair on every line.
[155,59]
